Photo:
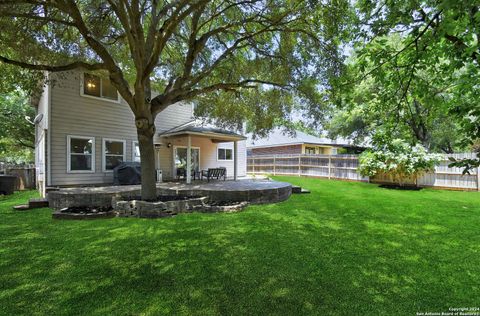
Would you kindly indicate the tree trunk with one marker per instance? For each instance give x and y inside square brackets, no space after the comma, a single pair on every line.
[145,124]
[147,157]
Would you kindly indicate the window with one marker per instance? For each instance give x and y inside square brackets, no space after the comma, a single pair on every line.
[310,150]
[80,154]
[224,154]
[135,152]
[113,153]
[96,86]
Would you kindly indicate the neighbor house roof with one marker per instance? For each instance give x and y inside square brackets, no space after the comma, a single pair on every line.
[199,128]
[279,137]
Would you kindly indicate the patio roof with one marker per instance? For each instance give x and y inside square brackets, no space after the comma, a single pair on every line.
[214,133]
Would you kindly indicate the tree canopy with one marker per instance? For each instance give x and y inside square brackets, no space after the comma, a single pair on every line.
[413,73]
[240,60]
[16,128]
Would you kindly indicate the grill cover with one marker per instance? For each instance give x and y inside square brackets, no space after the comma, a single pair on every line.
[127,173]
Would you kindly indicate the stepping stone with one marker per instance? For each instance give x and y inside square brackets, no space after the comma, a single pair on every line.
[299,190]
[22,207]
[37,203]
[296,189]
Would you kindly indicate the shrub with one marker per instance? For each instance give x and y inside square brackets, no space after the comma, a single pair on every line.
[398,159]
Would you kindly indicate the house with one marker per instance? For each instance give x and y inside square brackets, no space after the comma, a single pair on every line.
[279,142]
[84,129]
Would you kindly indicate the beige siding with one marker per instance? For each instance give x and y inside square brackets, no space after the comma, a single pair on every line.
[73,114]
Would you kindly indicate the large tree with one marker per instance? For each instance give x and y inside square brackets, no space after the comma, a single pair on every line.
[239,59]
[401,100]
[433,65]
[17,133]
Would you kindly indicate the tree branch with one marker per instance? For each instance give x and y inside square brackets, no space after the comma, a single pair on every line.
[71,66]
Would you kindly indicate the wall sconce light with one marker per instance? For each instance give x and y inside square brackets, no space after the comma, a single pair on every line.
[169,145]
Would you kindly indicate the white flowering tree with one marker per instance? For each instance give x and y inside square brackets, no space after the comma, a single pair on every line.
[398,159]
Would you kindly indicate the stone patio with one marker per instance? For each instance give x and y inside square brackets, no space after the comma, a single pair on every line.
[248,190]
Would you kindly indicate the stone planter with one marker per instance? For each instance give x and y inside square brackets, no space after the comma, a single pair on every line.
[145,209]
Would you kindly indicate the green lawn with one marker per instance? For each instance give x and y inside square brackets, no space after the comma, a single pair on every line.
[347,248]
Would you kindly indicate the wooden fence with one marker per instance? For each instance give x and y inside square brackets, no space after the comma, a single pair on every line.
[25,174]
[344,167]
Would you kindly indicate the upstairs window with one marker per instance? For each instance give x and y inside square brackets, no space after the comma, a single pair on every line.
[96,86]
[224,154]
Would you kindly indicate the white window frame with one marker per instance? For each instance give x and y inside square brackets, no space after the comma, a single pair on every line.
[104,161]
[224,148]
[134,143]
[69,154]
[82,93]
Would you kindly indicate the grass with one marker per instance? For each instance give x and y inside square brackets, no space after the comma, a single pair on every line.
[346,248]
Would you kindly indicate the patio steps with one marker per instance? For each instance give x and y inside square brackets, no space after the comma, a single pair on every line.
[299,190]
[32,203]
[37,203]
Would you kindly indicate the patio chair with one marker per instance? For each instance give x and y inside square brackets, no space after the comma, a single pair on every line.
[216,173]
[182,173]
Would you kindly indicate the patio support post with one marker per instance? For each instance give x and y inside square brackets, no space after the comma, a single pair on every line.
[235,160]
[189,159]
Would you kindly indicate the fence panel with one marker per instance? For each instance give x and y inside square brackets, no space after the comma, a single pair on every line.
[25,174]
[345,167]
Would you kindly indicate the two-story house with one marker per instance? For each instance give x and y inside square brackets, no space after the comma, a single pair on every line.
[84,129]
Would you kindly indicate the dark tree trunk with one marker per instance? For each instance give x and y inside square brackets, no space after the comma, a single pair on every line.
[147,156]
[145,123]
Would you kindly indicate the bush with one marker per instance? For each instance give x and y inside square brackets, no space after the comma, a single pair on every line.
[398,159]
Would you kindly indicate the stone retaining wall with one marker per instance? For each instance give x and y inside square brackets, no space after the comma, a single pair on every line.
[102,196]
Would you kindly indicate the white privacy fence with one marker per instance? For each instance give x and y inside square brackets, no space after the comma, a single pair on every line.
[344,167]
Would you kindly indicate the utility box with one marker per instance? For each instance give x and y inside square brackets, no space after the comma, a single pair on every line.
[159,176]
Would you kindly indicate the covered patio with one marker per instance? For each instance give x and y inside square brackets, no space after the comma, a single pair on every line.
[200,144]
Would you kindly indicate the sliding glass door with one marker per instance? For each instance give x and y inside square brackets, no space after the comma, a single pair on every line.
[181,159]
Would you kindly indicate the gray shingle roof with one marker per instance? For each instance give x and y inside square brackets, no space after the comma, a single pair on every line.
[198,128]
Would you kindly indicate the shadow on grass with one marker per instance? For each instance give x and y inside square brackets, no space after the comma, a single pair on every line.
[345,248]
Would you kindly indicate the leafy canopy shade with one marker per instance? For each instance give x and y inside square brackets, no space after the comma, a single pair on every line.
[239,59]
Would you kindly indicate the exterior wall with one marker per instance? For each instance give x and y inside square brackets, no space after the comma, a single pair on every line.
[208,155]
[321,150]
[278,150]
[41,140]
[77,115]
